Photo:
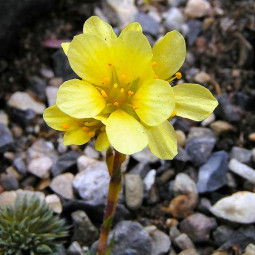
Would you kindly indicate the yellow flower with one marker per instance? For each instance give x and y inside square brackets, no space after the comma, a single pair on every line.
[119,88]
[192,101]
[77,131]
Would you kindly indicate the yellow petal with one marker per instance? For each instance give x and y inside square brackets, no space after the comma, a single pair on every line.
[79,99]
[89,56]
[55,118]
[169,54]
[132,56]
[134,26]
[125,133]
[96,26]
[162,140]
[102,142]
[193,101]
[76,136]
[154,102]
[65,46]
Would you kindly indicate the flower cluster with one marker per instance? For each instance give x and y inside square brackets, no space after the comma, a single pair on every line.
[124,98]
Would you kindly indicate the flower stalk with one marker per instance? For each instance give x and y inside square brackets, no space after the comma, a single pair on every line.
[114,159]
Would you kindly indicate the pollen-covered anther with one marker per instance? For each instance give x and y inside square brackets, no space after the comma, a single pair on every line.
[92,133]
[122,90]
[103,93]
[154,64]
[135,107]
[85,129]
[109,64]
[116,104]
[106,80]
[123,77]
[178,75]
[155,76]
[173,113]
[65,126]
[102,128]
[130,93]
[115,85]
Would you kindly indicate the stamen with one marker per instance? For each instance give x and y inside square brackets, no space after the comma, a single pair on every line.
[65,126]
[116,104]
[178,75]
[103,93]
[92,133]
[130,93]
[109,64]
[106,80]
[115,85]
[135,107]
[123,77]
[102,128]
[85,129]
[122,90]
[155,76]
[154,64]
[173,113]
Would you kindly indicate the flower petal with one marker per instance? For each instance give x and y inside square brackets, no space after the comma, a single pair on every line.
[102,142]
[155,102]
[134,26]
[89,56]
[193,101]
[55,118]
[65,46]
[96,26]
[132,56]
[76,136]
[162,140]
[125,133]
[79,99]
[169,54]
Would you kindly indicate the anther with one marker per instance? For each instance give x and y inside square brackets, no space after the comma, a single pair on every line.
[102,128]
[173,113]
[135,107]
[103,93]
[123,77]
[116,104]
[109,64]
[130,93]
[154,64]
[91,133]
[155,76]
[85,129]
[65,126]
[122,90]
[106,80]
[115,85]
[178,75]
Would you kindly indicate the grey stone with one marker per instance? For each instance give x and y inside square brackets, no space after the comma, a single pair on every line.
[241,154]
[4,119]
[133,191]
[6,139]
[75,249]
[9,182]
[195,28]
[92,184]
[141,168]
[183,184]
[174,19]
[200,149]
[20,166]
[84,232]
[148,23]
[221,234]
[176,2]
[37,86]
[183,241]
[61,250]
[212,175]
[65,163]
[83,162]
[40,167]
[23,118]
[197,8]
[161,243]
[145,156]
[54,203]
[198,226]
[149,179]
[51,94]
[196,132]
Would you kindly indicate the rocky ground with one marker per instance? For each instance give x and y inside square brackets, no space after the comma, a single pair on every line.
[203,201]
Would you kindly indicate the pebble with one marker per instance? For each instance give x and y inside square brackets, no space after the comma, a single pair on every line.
[7,198]
[40,167]
[23,101]
[181,159]
[17,131]
[208,120]
[189,251]
[6,139]
[196,132]
[56,81]
[65,163]
[133,191]
[252,137]
[183,241]
[199,149]
[4,119]
[197,8]
[145,156]
[51,94]
[141,168]
[92,184]
[176,2]
[54,203]
[183,184]
[148,23]
[198,226]
[91,152]
[239,207]
[149,179]
[29,194]
[241,154]
[84,161]
[19,165]
[62,185]
[174,19]
[75,249]
[242,170]
[222,233]
[47,73]
[37,86]
[161,242]
[194,29]
[84,232]
[202,77]
[8,182]
[212,175]
[250,249]
[181,138]
[221,126]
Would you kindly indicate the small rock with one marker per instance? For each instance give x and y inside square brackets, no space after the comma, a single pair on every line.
[141,168]
[56,81]
[242,170]
[221,126]
[198,226]
[62,185]
[183,241]
[197,8]
[195,28]
[4,119]
[241,154]
[252,137]
[6,140]
[84,232]
[149,179]
[181,138]
[160,242]
[75,249]
[145,156]
[208,120]
[189,251]
[20,166]
[54,203]
[202,77]
[8,182]
[133,191]
[29,194]
[92,184]
[249,250]
[17,131]
[222,233]
[51,94]
[40,167]
[148,23]
[239,207]
[174,19]
[183,184]
[196,132]
[47,73]
[181,159]
[23,118]
[23,101]
[37,86]
[176,2]
[83,162]
[204,205]
[212,175]
[91,152]
[8,198]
